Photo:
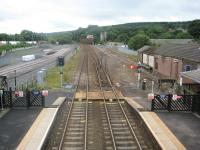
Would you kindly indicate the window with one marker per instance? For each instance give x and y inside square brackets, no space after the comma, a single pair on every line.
[187,67]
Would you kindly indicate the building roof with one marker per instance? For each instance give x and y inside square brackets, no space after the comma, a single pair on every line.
[172,41]
[182,51]
[146,49]
[193,75]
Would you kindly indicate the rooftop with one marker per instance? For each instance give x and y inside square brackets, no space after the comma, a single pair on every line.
[146,49]
[193,75]
[182,51]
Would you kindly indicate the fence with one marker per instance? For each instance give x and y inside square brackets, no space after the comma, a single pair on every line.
[182,103]
[29,99]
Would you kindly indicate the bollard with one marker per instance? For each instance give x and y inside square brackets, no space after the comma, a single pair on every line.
[144,84]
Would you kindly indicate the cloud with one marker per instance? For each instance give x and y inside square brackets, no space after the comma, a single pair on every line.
[63,15]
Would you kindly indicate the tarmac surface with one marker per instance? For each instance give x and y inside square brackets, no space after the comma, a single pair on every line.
[185,125]
[14,125]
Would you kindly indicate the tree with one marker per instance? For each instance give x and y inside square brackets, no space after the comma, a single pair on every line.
[4,37]
[27,35]
[194,29]
[168,35]
[64,38]
[123,38]
[138,41]
[183,35]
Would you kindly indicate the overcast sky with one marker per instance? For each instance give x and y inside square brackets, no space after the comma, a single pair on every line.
[65,15]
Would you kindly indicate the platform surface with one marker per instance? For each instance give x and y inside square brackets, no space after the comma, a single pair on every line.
[36,135]
[166,139]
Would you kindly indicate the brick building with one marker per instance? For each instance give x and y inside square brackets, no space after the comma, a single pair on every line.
[146,56]
[170,60]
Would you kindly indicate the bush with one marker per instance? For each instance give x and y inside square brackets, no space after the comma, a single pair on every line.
[8,47]
[138,41]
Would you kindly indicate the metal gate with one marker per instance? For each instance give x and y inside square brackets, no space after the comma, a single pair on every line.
[29,99]
[182,103]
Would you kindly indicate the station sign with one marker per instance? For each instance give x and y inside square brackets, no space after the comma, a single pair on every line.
[45,93]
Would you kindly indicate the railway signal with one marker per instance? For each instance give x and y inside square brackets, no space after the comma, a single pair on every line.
[132,67]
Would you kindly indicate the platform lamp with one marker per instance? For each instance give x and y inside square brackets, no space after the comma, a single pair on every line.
[181,81]
[139,73]
[15,79]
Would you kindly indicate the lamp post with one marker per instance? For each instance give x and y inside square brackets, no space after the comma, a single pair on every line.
[152,87]
[15,79]
[1,94]
[139,74]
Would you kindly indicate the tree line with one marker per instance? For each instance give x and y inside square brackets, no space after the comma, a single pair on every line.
[133,34]
[25,35]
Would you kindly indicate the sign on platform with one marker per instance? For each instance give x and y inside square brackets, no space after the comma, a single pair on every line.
[16,93]
[21,93]
[150,96]
[176,97]
[45,92]
[36,92]
[162,96]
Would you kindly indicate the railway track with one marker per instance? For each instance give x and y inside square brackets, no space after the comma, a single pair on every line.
[101,125]
[75,131]
[19,68]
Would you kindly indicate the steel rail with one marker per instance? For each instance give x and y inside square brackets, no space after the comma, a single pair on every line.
[116,96]
[86,110]
[105,107]
[70,109]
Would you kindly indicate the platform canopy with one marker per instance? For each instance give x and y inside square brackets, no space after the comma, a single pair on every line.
[193,75]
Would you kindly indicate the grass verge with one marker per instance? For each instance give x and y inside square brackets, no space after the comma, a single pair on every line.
[52,80]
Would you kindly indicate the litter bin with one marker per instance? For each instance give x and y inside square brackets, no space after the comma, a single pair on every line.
[144,84]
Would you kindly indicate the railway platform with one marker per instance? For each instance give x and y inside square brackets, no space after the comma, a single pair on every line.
[37,134]
[184,125]
[166,139]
